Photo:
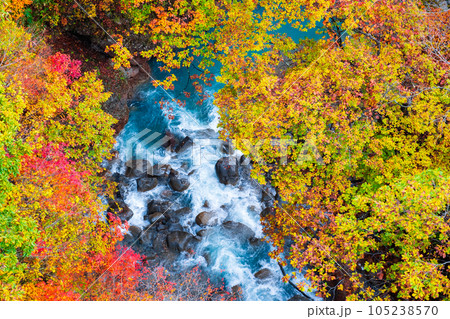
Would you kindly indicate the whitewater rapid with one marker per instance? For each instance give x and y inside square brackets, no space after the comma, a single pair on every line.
[219,254]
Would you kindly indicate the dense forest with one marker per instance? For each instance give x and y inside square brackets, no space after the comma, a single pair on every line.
[361,168]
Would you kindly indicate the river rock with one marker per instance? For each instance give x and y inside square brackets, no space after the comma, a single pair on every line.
[155,206]
[119,208]
[171,140]
[227,170]
[178,184]
[186,143]
[227,148]
[153,218]
[299,298]
[256,242]
[203,232]
[267,194]
[263,274]
[147,236]
[206,219]
[244,160]
[137,168]
[179,241]
[135,231]
[236,290]
[160,170]
[182,211]
[145,184]
[238,230]
[267,211]
[160,242]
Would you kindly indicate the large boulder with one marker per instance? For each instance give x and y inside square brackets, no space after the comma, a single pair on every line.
[227,170]
[263,274]
[299,298]
[184,145]
[135,231]
[160,170]
[178,184]
[238,230]
[119,208]
[155,206]
[137,168]
[153,218]
[207,219]
[171,140]
[179,241]
[147,236]
[267,211]
[182,211]
[144,184]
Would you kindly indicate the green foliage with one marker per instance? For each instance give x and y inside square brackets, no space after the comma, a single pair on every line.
[17,234]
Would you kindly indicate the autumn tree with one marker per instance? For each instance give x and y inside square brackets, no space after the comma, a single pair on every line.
[373,100]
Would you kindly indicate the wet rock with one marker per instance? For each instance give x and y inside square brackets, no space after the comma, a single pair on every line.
[244,160]
[206,219]
[182,211]
[179,241]
[203,232]
[171,140]
[162,227]
[263,274]
[238,230]
[227,170]
[256,242]
[145,184]
[186,143]
[299,298]
[178,184]
[206,204]
[120,179]
[236,290]
[160,170]
[147,236]
[153,218]
[267,194]
[175,227]
[137,168]
[135,231]
[267,211]
[155,206]
[160,243]
[127,239]
[119,208]
[207,257]
[227,148]
[125,215]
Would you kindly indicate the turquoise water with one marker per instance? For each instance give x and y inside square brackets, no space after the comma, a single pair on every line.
[220,255]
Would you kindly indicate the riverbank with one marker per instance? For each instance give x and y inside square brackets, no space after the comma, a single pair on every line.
[121,83]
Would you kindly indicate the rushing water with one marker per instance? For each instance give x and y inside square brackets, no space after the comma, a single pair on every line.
[220,255]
